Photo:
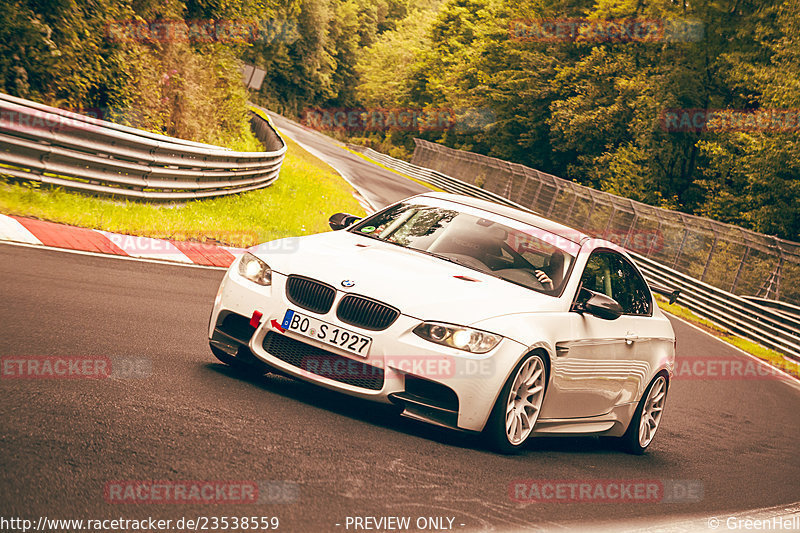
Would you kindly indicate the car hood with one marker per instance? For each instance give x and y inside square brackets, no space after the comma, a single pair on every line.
[419,285]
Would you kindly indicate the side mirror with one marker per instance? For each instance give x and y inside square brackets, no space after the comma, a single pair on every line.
[600,305]
[341,220]
[671,294]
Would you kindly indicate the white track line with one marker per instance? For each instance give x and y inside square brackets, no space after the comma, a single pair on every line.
[167,262]
[146,248]
[12,230]
[792,380]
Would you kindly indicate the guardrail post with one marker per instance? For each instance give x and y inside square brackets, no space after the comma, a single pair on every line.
[631,227]
[780,275]
[553,201]
[739,271]
[610,220]
[590,213]
[774,279]
[652,241]
[680,248]
[571,207]
[535,200]
[710,255]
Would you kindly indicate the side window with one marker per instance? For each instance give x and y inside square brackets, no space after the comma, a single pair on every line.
[610,274]
[597,274]
[633,296]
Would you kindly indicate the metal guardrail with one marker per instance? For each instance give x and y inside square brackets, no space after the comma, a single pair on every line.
[783,308]
[435,178]
[49,145]
[769,327]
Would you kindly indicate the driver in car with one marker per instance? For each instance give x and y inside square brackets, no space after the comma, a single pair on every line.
[555,271]
[544,279]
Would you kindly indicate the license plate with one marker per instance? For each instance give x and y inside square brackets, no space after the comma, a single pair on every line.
[325,332]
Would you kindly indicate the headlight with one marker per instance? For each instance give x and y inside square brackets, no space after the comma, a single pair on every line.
[254,269]
[467,339]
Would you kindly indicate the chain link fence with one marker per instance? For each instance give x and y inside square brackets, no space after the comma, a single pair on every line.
[728,257]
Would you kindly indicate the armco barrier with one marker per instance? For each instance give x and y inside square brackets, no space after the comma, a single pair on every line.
[770,327]
[437,179]
[57,147]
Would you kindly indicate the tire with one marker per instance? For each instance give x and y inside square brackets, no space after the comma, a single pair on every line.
[514,416]
[648,414]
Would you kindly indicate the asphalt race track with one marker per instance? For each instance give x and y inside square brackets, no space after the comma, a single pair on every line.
[183,416]
[379,186]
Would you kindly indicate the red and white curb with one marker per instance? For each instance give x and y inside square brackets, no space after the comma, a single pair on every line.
[38,232]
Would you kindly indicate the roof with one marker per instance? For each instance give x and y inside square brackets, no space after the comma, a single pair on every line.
[526,217]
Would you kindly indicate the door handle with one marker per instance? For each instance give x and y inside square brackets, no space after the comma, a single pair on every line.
[630,337]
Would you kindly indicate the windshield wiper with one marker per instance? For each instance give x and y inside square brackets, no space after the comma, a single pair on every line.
[444,257]
[368,235]
[454,260]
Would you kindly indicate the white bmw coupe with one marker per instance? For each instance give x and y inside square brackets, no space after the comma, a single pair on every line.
[464,313]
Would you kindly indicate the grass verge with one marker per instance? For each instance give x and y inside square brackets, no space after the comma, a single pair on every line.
[772,357]
[307,192]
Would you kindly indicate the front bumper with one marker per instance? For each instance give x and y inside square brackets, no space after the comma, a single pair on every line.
[434,383]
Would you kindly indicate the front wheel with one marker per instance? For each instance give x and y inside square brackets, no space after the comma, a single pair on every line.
[647,418]
[517,408]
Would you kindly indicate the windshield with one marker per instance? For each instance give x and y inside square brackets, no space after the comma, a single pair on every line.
[522,254]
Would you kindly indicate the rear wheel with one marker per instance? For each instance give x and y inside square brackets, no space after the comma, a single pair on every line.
[647,417]
[517,408]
